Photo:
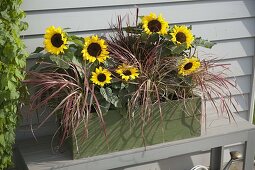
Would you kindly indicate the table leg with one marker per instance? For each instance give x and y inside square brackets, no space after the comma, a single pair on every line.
[249,151]
[216,160]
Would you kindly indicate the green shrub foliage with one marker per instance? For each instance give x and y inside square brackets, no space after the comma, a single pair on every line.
[12,64]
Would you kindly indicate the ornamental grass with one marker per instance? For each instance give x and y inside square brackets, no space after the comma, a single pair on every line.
[138,65]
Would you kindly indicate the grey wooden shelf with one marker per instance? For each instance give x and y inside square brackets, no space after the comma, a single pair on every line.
[39,155]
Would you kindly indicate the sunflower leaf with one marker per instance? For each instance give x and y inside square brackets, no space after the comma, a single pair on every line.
[179,49]
[190,27]
[36,55]
[123,85]
[105,106]
[153,37]
[77,40]
[110,96]
[166,52]
[116,85]
[38,50]
[203,43]
[60,61]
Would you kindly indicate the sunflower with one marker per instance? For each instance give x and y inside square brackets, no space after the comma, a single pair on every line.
[181,34]
[101,76]
[55,40]
[188,66]
[95,49]
[127,72]
[153,24]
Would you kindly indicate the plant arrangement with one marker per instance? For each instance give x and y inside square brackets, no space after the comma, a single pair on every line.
[136,69]
[12,64]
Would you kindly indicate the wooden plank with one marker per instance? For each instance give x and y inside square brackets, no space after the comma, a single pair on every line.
[249,153]
[29,5]
[201,11]
[226,49]
[233,30]
[244,115]
[240,101]
[228,29]
[78,21]
[252,95]
[229,49]
[242,87]
[237,67]
[225,9]
[25,132]
[81,20]
[221,121]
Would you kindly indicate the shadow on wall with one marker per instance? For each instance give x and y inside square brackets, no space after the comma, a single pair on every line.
[254,115]
[188,161]
[250,8]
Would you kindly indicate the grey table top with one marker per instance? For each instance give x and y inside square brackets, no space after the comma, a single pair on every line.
[218,132]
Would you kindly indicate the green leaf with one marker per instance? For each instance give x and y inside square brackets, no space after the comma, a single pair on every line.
[179,49]
[59,61]
[77,61]
[4,15]
[153,37]
[14,94]
[190,27]
[203,43]
[104,106]
[77,40]
[23,26]
[38,50]
[110,96]
[9,50]
[2,141]
[13,61]
[10,86]
[18,74]
[118,85]
[1,41]
[123,85]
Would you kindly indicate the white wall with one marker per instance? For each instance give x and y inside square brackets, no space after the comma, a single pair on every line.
[229,23]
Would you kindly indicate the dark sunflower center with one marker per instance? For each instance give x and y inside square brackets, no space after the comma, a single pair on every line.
[181,37]
[56,40]
[94,49]
[127,73]
[101,77]
[154,26]
[188,66]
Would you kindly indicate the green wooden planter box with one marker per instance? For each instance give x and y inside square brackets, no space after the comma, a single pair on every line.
[180,121]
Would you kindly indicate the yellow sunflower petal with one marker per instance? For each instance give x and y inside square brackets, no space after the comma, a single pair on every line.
[153,24]
[55,40]
[101,76]
[95,49]
[127,72]
[181,34]
[188,66]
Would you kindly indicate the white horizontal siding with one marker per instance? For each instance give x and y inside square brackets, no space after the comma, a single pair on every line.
[101,18]
[30,5]
[222,30]
[238,66]
[237,8]
[214,31]
[229,49]
[229,23]
[240,102]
